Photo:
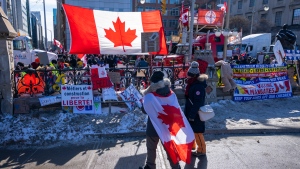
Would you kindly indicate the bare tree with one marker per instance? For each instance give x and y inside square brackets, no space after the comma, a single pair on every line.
[263,26]
[240,22]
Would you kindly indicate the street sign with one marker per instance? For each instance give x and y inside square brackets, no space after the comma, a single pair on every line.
[150,42]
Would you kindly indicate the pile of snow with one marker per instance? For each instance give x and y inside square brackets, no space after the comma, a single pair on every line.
[44,128]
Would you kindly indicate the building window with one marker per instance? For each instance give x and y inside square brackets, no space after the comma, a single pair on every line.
[140,9]
[175,2]
[240,4]
[263,16]
[252,2]
[278,16]
[173,23]
[296,17]
[150,1]
[174,12]
[249,18]
[265,2]
[164,23]
[149,9]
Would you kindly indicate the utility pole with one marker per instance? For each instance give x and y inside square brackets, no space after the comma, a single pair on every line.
[191,30]
[45,26]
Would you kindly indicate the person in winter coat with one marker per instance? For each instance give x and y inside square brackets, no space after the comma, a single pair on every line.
[195,98]
[162,88]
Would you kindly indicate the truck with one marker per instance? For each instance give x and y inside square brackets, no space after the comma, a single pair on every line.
[256,43]
[24,52]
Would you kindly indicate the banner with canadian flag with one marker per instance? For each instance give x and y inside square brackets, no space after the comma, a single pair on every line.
[171,126]
[106,32]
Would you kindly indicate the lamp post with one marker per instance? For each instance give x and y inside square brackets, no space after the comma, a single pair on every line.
[266,8]
[226,28]
[51,37]
[142,2]
[45,25]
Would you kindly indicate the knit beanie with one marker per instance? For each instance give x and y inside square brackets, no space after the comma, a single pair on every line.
[194,69]
[157,76]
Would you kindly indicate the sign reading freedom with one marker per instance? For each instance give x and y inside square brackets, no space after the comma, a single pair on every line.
[76,95]
[257,82]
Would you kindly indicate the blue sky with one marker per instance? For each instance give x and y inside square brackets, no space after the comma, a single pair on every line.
[37,5]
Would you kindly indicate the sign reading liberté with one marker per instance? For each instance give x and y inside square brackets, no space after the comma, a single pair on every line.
[76,95]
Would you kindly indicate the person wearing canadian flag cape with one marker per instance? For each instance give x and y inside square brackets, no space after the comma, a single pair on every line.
[166,122]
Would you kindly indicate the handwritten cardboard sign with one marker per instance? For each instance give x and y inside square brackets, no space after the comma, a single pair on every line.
[115,77]
[109,94]
[132,94]
[43,58]
[76,95]
[91,109]
[21,107]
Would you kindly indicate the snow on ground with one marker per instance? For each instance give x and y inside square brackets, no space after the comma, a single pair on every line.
[45,128]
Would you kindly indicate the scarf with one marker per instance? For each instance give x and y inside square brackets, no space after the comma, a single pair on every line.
[189,84]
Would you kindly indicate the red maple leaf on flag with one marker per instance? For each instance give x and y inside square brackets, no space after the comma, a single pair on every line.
[120,37]
[173,118]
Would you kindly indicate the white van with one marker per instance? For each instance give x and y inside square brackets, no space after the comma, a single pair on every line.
[254,43]
[24,52]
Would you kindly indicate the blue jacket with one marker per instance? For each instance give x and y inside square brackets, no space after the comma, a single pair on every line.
[196,95]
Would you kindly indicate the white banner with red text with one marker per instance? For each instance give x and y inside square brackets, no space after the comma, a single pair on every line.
[77,95]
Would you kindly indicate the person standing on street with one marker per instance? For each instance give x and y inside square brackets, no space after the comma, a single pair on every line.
[195,98]
[161,88]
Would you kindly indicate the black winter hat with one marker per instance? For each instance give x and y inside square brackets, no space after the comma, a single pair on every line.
[157,76]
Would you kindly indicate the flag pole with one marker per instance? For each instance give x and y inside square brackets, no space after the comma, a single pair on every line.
[191,30]
[226,27]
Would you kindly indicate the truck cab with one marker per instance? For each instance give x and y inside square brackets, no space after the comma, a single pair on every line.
[24,52]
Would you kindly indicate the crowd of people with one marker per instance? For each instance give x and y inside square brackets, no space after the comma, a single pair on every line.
[66,61]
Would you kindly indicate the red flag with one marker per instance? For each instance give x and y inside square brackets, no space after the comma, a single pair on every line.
[185,17]
[224,7]
[80,55]
[107,32]
[210,17]
[58,44]
[171,126]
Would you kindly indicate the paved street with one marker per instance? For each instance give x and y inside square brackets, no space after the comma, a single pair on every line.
[223,151]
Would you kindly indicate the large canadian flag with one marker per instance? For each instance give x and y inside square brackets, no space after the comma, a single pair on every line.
[106,32]
[171,125]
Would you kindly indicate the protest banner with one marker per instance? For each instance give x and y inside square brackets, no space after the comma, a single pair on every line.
[115,77]
[76,95]
[90,109]
[109,94]
[49,100]
[258,82]
[132,94]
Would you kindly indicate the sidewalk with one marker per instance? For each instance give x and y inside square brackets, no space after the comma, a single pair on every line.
[44,127]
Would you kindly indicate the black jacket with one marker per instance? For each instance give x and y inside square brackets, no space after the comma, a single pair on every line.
[196,99]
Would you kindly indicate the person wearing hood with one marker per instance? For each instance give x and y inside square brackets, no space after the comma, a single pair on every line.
[161,87]
[195,98]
